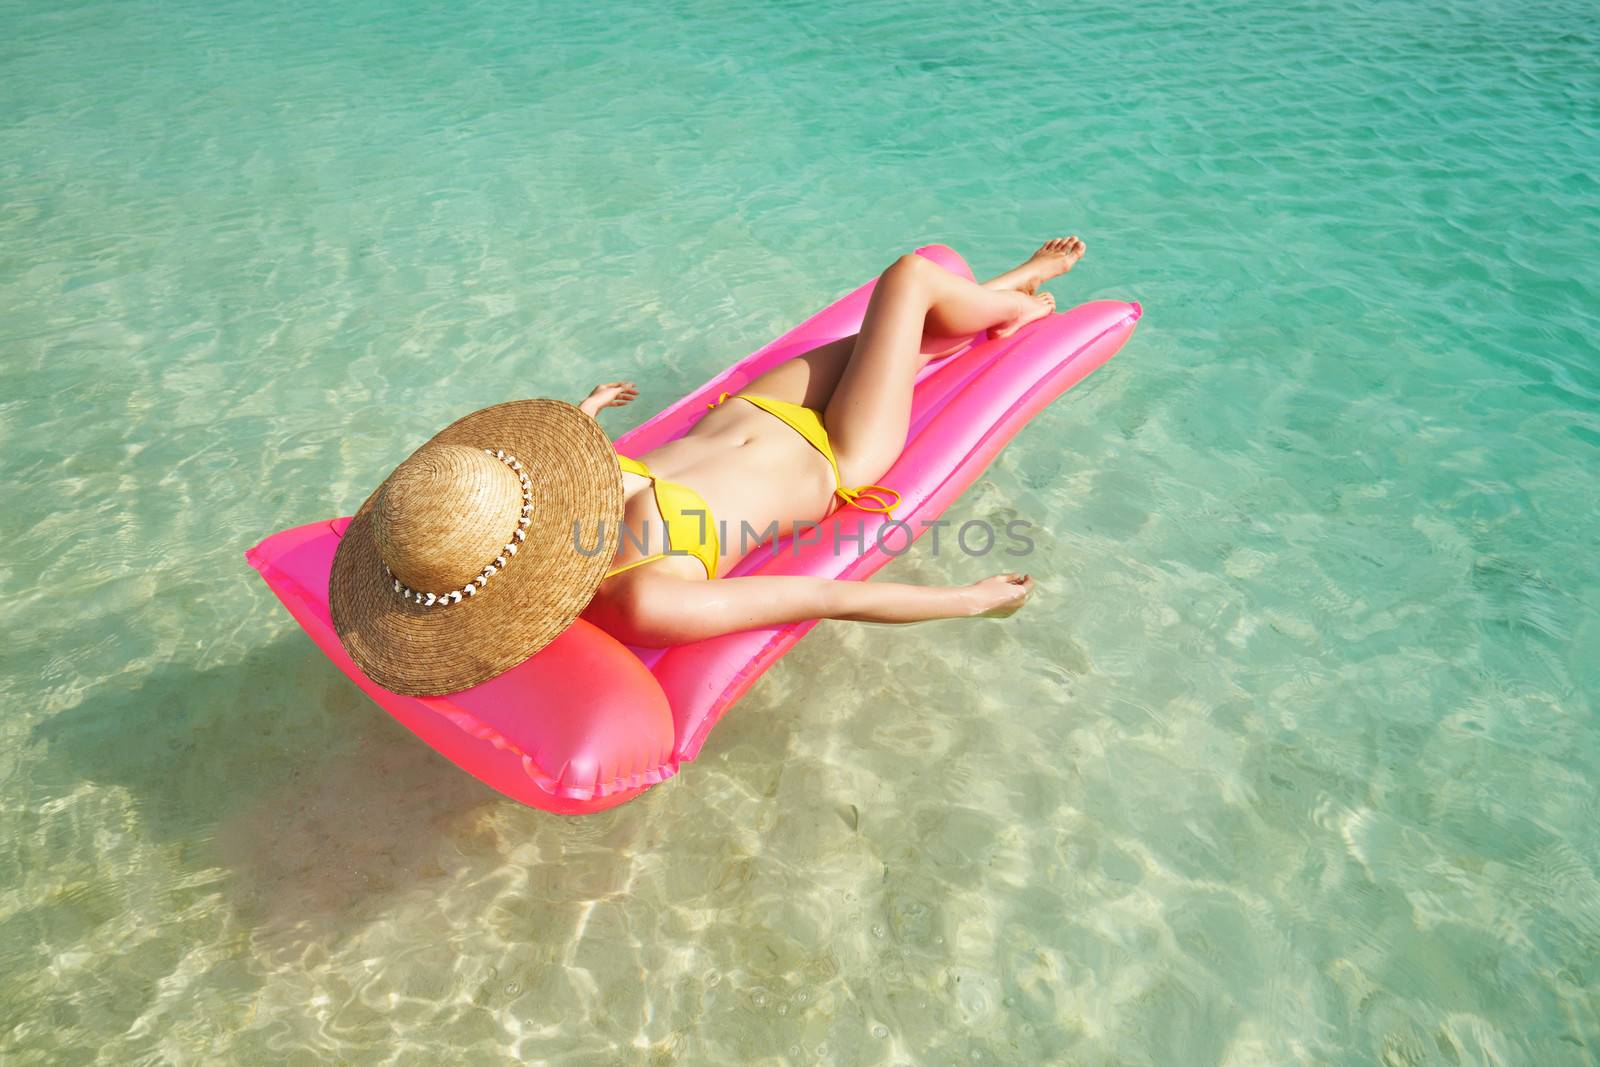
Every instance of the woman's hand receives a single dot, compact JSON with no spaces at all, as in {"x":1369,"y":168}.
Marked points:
{"x":608,"y":395}
{"x":1001,"y":595}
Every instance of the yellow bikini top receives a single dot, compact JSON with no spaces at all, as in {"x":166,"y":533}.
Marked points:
{"x":690,"y":527}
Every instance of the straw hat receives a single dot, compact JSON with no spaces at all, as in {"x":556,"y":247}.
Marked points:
{"x":466,"y":560}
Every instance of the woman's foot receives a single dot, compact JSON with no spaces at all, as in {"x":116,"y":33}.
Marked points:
{"x":1002,"y":595}
{"x":1034,"y":306}
{"x":1054,"y":258}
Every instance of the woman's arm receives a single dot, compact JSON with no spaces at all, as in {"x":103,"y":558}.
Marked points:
{"x":655,"y":610}
{"x":607,"y":395}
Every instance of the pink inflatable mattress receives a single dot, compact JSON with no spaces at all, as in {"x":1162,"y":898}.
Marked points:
{"x":588,"y":722}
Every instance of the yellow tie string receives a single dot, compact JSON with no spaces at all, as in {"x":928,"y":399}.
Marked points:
{"x":873,"y":498}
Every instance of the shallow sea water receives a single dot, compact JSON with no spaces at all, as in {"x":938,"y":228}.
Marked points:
{"x":1293,"y":760}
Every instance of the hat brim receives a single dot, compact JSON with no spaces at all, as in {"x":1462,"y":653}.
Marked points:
{"x":569,"y":545}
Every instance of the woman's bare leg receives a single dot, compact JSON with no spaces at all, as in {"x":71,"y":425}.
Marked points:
{"x":1054,"y":258}
{"x":870,"y":410}
{"x":811,"y":377}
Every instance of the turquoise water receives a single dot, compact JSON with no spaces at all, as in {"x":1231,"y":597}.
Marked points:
{"x":1292,"y":761}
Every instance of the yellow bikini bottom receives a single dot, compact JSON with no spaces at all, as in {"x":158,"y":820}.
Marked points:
{"x":807,"y":422}
{"x":690,"y":529}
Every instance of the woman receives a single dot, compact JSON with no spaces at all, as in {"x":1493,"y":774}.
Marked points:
{"x":811,"y":434}
{"x":469,"y":557}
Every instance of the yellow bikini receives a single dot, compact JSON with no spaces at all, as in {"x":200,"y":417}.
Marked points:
{"x":690,"y":528}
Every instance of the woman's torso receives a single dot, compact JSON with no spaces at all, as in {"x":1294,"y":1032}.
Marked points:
{"x":752,"y":470}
